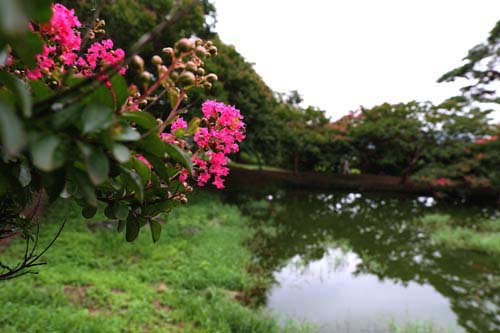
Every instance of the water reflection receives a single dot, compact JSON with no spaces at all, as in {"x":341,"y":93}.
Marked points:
{"x":357,"y":257}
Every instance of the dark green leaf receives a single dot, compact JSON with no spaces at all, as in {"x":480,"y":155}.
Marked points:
{"x":27,"y":47}
{"x":180,"y":156}
{"x":109,"y":212}
{"x":132,"y":229}
{"x":121,"y":153}
{"x":141,"y":118}
{"x":121,"y":211}
{"x":39,"y":10}
{"x":12,"y":17}
{"x":153,"y":144}
{"x":85,"y":187}
{"x":89,"y":212}
{"x":159,"y":166}
{"x":155,"y":230}
{"x":96,"y":117}
{"x":127,"y":134}
{"x":66,"y":117}
{"x":96,"y":162}
{"x":161,"y":207}
{"x":20,"y":90}
{"x":40,"y":90}
{"x":43,"y":152}
{"x":101,"y":96}
{"x":121,"y":226}
{"x":54,"y":184}
{"x":120,"y":87}
{"x":135,"y":181}
{"x":12,"y":130}
{"x":143,"y":170}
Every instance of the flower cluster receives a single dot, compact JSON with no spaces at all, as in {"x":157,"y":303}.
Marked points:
{"x":62,"y":46}
{"x":224,"y":131}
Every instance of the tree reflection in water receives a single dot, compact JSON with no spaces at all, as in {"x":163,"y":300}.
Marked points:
{"x":383,"y":231}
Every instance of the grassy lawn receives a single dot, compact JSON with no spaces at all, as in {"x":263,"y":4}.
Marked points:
{"x":96,"y":282}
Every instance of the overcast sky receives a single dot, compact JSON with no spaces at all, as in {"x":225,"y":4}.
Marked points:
{"x":340,"y":54}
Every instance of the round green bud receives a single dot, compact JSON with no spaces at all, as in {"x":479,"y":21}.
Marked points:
{"x":156,"y":60}
{"x":212,"y":50}
{"x":146,"y":76}
{"x":200,"y":71}
{"x":174,"y":75}
{"x":212,"y":78}
{"x":186,"y":78}
{"x":168,"y":51}
{"x":201,"y":52}
{"x":207,"y":85}
{"x":137,"y":63}
{"x":184,"y":45}
{"x":191,"y":66}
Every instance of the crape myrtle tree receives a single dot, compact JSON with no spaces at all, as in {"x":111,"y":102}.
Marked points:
{"x":468,"y":147}
{"x":72,"y":126}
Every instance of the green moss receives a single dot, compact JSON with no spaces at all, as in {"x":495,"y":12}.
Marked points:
{"x":96,"y":282}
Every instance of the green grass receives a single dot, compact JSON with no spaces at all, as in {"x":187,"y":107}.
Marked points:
{"x":257,"y":167}
{"x":96,"y":282}
{"x":483,"y":236}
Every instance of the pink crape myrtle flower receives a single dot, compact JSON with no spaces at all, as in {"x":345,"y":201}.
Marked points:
{"x":219,"y":139}
{"x":178,"y":124}
{"x":62,"y":45}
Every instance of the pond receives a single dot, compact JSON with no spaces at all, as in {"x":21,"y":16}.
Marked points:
{"x":352,"y":262}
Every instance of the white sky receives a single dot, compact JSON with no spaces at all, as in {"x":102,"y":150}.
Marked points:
{"x":340,"y":54}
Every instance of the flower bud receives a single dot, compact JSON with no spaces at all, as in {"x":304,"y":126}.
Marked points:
{"x":200,"y":71}
{"x":207,"y":85}
{"x":212,"y":78}
{"x":198,"y":42}
{"x":184,"y":45}
{"x":146,"y":76}
{"x":201,"y":52}
{"x":212,"y":50}
{"x":174,"y":75}
{"x":186,"y":78}
{"x":137,"y":63}
{"x":208,"y":43}
{"x":168,"y":51}
{"x":156,"y":60}
{"x":191,"y":66}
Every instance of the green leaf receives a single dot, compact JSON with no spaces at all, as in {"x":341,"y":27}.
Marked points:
{"x":193,"y":126}
{"x":96,"y":118}
{"x":161,"y":207}
{"x":109,"y":212}
{"x":40,"y":91}
{"x":121,"y":211}
{"x":96,"y":162}
{"x":24,"y":174}
{"x":121,"y":153}
{"x":155,"y":230}
{"x":12,"y":17}
{"x":66,"y":117}
{"x":132,"y":229}
{"x":135,"y":181}
{"x":127,"y":134}
{"x":142,"y":169}
{"x":20,"y":90}
{"x":43,"y":152}
{"x":121,"y":226}
{"x":141,"y":118}
{"x":89,"y":212}
{"x":12,"y":130}
{"x":153,"y":144}
{"x":180,"y":156}
{"x":120,"y":87}
{"x":85,"y":187}
{"x":159,"y":166}
{"x":101,"y":96}
{"x":54,"y":184}
{"x":39,"y":10}
{"x":27,"y":47}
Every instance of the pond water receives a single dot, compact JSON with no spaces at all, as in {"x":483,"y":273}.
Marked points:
{"x":352,"y":262}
